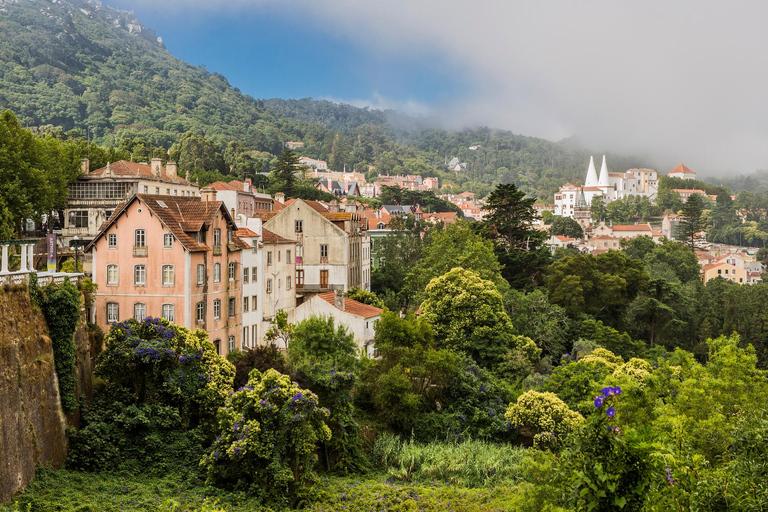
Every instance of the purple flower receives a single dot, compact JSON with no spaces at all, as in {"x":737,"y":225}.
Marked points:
{"x":598,"y":402}
{"x":607,"y":391}
{"x":610,"y":412}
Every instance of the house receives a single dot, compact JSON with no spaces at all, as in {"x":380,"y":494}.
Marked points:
{"x":320,"y":165}
{"x":685,"y":193}
{"x":456,"y":166}
{"x":172,"y":257}
{"x":682,"y":172}
{"x":632,"y":230}
{"x":332,"y":248}
{"x":237,"y":195}
{"x":726,"y":271}
{"x":338,"y":188}
{"x":556,"y":241}
{"x":293,"y":144}
{"x":604,"y":242}
{"x":97,"y":193}
{"x":252,"y":264}
{"x":360,"y":319}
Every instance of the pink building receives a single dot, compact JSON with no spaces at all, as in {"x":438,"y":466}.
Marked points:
{"x":171,"y":257}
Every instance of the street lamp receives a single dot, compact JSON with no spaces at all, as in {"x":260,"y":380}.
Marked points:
{"x":75,"y":243}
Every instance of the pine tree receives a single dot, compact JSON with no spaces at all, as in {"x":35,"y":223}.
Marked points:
{"x":283,"y":176}
{"x":691,"y":224}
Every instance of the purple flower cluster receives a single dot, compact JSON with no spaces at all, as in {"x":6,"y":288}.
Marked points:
{"x":606,"y":394}
{"x":668,"y":476}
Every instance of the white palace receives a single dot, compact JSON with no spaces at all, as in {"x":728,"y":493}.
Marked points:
{"x":609,"y":185}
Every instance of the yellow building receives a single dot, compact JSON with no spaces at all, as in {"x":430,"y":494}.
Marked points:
{"x":726,"y":271}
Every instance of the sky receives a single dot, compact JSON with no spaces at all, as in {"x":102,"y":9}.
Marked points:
{"x":671,"y":82}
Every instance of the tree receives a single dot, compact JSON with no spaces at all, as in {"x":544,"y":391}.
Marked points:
{"x":317,"y":340}
{"x":691,"y":224}
{"x":196,"y":152}
{"x":283,"y":175}
{"x":456,"y":246}
{"x":599,"y":211}
{"x":339,"y":153}
{"x":543,"y":419}
{"x":365,"y":297}
{"x":534,"y":316}
{"x":673,"y":260}
{"x":519,"y":246}
{"x":280,"y":331}
{"x":268,"y":434}
{"x":467,"y":314}
{"x":566,"y":226}
{"x":654,"y":313}
{"x":638,"y":247}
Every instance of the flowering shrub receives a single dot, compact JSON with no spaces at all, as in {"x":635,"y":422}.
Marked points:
{"x":160,"y":385}
{"x":543,"y":418}
{"x":269,"y":431}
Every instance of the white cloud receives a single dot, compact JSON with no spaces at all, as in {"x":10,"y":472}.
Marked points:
{"x":681,"y":81}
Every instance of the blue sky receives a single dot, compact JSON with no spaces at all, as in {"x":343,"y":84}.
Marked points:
{"x":269,"y":54}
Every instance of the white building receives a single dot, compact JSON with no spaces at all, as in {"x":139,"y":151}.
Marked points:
{"x":320,"y":165}
{"x":358,"y":318}
{"x":608,"y":185}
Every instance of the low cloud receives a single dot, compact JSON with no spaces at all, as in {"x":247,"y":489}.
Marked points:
{"x":680,"y":81}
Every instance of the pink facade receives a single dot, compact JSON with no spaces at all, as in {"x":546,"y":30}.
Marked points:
{"x":173,"y":258}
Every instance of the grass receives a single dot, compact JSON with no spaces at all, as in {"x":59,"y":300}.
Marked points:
{"x":472,"y":464}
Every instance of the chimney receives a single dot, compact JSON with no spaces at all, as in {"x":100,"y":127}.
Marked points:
{"x":171,"y":170}
{"x":247,"y":185}
{"x":208,"y":194}
{"x":232,"y":212}
{"x":85,"y":166}
{"x":338,"y":299}
{"x":334,"y":207}
{"x":280,"y":197}
{"x":157,"y":167}
{"x":108,"y":170}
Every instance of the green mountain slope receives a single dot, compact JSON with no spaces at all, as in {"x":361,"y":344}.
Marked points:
{"x":78,"y":64}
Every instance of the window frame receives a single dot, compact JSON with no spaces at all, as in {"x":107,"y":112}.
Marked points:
{"x":110,"y":238}
{"x":200,"y":311}
{"x":172,"y":270}
{"x":217,"y":309}
{"x":140,"y":306}
{"x":167,"y":241}
{"x":232,"y":307}
{"x":140,"y":237}
{"x":116,"y":307}
{"x":200,"y":274}
{"x":232,"y":270}
{"x":217,"y":272}
{"x":171,"y":308}
{"x":140,"y":271}
{"x":116,"y":282}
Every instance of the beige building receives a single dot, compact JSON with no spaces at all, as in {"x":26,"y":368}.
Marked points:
{"x":332,"y":248}
{"x":726,"y":271}
{"x":96,"y":194}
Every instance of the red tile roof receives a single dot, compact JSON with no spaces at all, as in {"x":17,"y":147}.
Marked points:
{"x":140,"y":170}
{"x":683,"y":169}
{"x":352,"y":306}
{"x":268,"y":237}
{"x":246,"y":233}
{"x":633,"y":227}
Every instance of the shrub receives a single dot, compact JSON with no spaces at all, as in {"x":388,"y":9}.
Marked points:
{"x":61,"y":307}
{"x":260,"y":358}
{"x":268,"y":436}
{"x":543,"y":418}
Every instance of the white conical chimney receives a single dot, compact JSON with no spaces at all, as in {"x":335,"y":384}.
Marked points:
{"x":604,"y":181}
{"x":591,"y":180}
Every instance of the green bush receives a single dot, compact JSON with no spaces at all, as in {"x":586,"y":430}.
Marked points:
{"x":268,"y":434}
{"x":542,"y":418}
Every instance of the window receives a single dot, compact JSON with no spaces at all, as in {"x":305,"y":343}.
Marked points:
{"x":139,"y":275}
{"x":216,"y":309}
{"x":167,"y":241}
{"x":217,"y":272}
{"x":78,"y":219}
{"x":200,"y":275}
{"x":139,"y":311}
{"x":288,"y":256}
{"x":254,"y":274}
{"x":231,"y":343}
{"x":146,"y":189}
{"x":278,"y":256}
{"x":269,"y":257}
{"x":217,"y":236}
{"x":201,"y":311}
{"x":299,"y":226}
{"x":167,"y":275}
{"x":232,"y":268}
{"x":139,"y":238}
{"x":112,"y":275}
{"x":168,"y":312}
{"x":200,"y":237}
{"x":112,"y":240}
{"x":323,"y":250}
{"x":245,"y":274}
{"x":269,"y":285}
{"x":288,"y":283}
{"x":217,"y":344}
{"x":255,"y":334}
{"x":245,"y":304}
{"x":167,"y":191}
{"x":157,"y":190}
{"x":229,"y":236}
{"x":254,"y":303}
{"x":245,"y":336}
{"x":232,"y":304}
{"x":113,"y":312}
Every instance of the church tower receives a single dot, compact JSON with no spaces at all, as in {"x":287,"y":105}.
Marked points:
{"x":582,"y":212}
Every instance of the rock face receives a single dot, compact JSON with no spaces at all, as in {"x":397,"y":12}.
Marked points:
{"x":32,"y":423}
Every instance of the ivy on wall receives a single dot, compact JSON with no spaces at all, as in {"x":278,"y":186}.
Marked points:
{"x":61,"y":307}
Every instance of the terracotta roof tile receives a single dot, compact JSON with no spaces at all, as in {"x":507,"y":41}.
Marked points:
{"x":268,"y":237}
{"x":140,"y":170}
{"x":683,"y":169}
{"x":246,"y":233}
{"x":352,"y":306}
{"x":633,"y":227}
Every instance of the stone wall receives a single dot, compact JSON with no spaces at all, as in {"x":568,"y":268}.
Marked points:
{"x":32,"y":424}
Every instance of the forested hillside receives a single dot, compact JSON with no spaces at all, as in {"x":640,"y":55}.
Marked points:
{"x":80,"y":65}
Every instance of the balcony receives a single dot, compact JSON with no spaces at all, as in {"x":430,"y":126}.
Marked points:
{"x":140,"y":251}
{"x":323,"y":259}
{"x":217,"y":250}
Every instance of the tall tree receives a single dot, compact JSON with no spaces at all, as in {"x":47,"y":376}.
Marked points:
{"x":283,"y":175}
{"x":691,"y":224}
{"x":566,"y":226}
{"x":519,"y":246}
